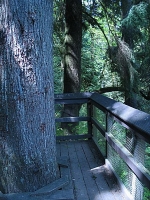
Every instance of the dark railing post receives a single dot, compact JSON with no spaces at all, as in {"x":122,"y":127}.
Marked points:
{"x":109,"y":122}
{"x":89,"y":114}
{"x":94,"y":131}
{"x":109,"y":125}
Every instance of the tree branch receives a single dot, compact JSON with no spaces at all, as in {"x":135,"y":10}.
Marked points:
{"x":92,"y":19}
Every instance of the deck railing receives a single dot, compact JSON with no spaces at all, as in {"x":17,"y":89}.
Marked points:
{"x":121,"y":133}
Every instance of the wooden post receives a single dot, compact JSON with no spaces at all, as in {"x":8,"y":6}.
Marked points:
{"x":109,"y":125}
{"x":90,"y":114}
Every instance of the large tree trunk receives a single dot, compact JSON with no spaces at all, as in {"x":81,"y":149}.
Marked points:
{"x":72,"y":56}
{"x":27,"y":135}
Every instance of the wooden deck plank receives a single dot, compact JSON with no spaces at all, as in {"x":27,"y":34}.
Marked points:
{"x":65,"y":156}
{"x":80,"y":189}
{"x":51,"y":188}
{"x":64,"y":149}
{"x":62,"y":195}
{"x":89,"y":179}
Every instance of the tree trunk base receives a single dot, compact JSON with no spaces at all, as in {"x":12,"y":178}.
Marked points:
{"x":46,"y":191}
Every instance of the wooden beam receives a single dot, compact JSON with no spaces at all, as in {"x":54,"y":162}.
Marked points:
{"x":52,"y":187}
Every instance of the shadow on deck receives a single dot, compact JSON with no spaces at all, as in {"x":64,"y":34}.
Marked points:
{"x":90,"y":178}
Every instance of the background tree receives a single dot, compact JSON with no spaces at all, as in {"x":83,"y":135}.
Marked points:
{"x":73,"y":41}
{"x":72,"y":55}
{"x":58,"y":52}
{"x":27,"y":134}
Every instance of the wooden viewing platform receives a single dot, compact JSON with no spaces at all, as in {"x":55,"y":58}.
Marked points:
{"x":112,"y":150}
{"x":90,"y":178}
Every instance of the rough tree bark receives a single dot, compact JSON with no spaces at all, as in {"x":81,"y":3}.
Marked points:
{"x":27,"y":131}
{"x":72,"y":55}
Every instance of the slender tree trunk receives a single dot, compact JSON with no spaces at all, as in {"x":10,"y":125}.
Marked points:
{"x":27,"y":135}
{"x":72,"y":57}
{"x":130,"y":78}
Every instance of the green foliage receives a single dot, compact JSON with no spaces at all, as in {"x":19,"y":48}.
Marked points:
{"x":98,"y":69}
{"x":137,"y":16}
{"x":146,"y":194}
{"x":80,"y":129}
{"x":58,"y":48}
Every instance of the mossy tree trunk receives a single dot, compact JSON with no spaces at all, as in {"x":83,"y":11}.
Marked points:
{"x":27,"y":131}
{"x":130,"y":75}
{"x":127,"y":37}
{"x":72,"y":55}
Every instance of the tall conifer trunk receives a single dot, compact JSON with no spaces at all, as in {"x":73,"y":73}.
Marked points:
{"x":72,"y":56}
{"x":130,"y":78}
{"x":27,"y":131}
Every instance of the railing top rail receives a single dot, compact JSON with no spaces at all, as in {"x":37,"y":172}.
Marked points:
{"x":69,"y":96}
{"x":137,"y":120}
